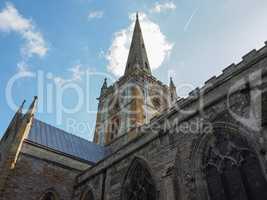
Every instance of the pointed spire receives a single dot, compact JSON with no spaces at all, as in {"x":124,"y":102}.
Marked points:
{"x":19,"y":111}
{"x":32,"y":108}
{"x":171,"y":83}
{"x":104,"y":86}
{"x":173,"y":92}
{"x":137,"y":58}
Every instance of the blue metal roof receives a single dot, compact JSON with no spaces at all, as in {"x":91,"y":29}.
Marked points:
{"x":59,"y":140}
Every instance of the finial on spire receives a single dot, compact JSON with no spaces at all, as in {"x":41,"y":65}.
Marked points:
{"x":21,"y":106}
{"x":33,"y":105}
{"x":171,"y":82}
{"x":137,"y":17}
{"x":104,"y":86}
{"x":19,"y":111}
{"x":105,"y":82}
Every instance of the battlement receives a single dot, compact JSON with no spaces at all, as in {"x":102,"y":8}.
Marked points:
{"x":247,"y":60}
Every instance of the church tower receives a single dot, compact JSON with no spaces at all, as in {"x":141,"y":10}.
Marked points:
{"x":134,"y":99}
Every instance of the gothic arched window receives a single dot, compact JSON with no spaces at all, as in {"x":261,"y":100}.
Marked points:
{"x":88,"y":196}
{"x":139,"y":184}
{"x":49,"y":196}
{"x":233,"y":171}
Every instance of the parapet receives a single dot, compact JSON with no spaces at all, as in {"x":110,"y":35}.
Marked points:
{"x":247,"y":60}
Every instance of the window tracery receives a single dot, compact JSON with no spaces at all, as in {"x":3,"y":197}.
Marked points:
{"x":233,"y":170}
{"x":139,"y":184}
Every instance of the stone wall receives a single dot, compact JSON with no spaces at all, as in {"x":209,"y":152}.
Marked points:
{"x":173,"y":151}
{"x":32,"y":177}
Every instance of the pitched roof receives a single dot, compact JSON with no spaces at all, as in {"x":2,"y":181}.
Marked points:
{"x":137,"y":58}
{"x":51,"y":137}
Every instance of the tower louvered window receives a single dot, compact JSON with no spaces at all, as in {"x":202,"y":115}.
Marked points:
{"x":139,"y":184}
{"x":233,"y":171}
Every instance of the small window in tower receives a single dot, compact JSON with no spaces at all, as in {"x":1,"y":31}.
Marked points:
{"x":114,"y":128}
{"x":156,"y":103}
{"x":143,"y":45}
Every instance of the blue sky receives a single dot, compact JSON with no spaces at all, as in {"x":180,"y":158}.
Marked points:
{"x":61,"y":42}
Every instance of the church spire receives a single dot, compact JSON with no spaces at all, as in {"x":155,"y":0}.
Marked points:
{"x":137,"y":58}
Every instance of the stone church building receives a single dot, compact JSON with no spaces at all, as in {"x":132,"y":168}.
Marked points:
{"x":149,"y":144}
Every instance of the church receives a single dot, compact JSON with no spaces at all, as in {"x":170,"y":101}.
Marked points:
{"x":149,"y":144}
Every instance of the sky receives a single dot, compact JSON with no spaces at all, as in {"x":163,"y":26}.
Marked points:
{"x":62,"y":51}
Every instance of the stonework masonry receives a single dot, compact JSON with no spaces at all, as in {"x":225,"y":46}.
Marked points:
{"x":32,"y":177}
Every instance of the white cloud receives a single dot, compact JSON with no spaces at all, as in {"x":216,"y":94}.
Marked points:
{"x":12,"y":20}
{"x":76,"y":75}
{"x":95,"y":14}
{"x":161,"y":7}
{"x":23,"y":70}
{"x":157,"y":46}
{"x":77,"y":72}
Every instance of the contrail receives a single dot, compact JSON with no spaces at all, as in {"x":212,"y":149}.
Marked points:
{"x":190,"y":20}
